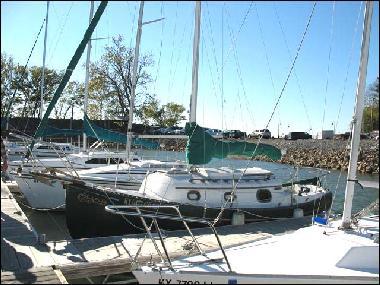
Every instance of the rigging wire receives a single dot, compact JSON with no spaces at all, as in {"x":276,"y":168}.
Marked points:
{"x":238,"y":70}
{"x":24,"y":73}
{"x":172,"y":53}
{"x":295,"y":74}
{"x":213,"y":45}
{"x":161,"y":41}
{"x":348,"y":65}
{"x":274,"y":109}
{"x":60,"y":32}
{"x":240,"y":28}
{"x":328,"y":65}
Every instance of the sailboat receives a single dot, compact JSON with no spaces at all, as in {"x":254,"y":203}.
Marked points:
{"x":224,"y":194}
{"x":344,"y":250}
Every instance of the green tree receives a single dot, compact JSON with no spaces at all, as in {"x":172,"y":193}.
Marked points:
{"x":7,"y":72}
{"x":113,"y":78}
{"x":371,"y":109}
{"x":29,"y":89}
{"x":72,"y":97}
{"x":167,"y":115}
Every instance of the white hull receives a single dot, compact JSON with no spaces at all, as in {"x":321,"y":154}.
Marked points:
{"x":224,"y":278}
{"x":314,"y":254}
{"x":49,"y":194}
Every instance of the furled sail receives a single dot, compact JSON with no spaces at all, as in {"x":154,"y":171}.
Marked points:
{"x":51,"y":131}
{"x":92,"y":130}
{"x":202,"y":147}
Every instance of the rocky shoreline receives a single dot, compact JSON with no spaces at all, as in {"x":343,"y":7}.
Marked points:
{"x":328,"y":154}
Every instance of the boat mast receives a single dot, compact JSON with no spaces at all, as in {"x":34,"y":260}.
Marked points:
{"x":43,"y":62}
{"x":357,"y":120}
{"x":134,"y":77}
{"x":194,"y":90}
{"x":87,"y":75}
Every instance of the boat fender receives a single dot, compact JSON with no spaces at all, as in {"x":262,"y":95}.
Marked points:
{"x":298,"y":213}
{"x":193,"y":195}
{"x":237,"y":218}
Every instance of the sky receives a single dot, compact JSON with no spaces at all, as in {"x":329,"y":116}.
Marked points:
{"x":246,"y":53}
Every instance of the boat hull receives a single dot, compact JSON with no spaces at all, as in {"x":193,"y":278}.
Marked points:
{"x":230,"y":278}
{"x":86,"y":215}
{"x":46,"y":192}
{"x":42,"y":194}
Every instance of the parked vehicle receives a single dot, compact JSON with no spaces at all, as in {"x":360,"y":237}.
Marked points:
{"x":264,"y":133}
{"x":215,"y":133}
{"x":160,"y":131}
{"x":179,"y":131}
{"x":235,"y":134}
{"x":297,"y":136}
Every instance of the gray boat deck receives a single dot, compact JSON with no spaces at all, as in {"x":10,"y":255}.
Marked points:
{"x":22,"y":255}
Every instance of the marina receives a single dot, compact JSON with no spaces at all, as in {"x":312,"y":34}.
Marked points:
{"x":135,"y":198}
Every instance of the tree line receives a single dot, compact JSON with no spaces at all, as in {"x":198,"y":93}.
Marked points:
{"x":110,"y":87}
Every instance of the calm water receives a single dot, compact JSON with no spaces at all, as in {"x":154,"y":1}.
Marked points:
{"x":54,"y":225}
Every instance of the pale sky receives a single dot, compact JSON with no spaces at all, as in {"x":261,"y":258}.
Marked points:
{"x":257,"y":41}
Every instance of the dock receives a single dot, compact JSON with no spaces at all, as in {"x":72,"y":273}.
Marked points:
{"x":26,"y":258}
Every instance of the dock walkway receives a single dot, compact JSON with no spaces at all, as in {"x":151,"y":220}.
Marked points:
{"x":23,"y":259}
{"x":23,"y":256}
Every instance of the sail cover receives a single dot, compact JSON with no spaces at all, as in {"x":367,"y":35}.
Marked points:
{"x":51,"y":131}
{"x":202,"y":147}
{"x":102,"y":134}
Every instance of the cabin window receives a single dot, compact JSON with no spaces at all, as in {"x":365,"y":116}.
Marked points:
{"x":114,"y":160}
{"x":263,"y":195}
{"x":193,"y":195}
{"x":97,"y":161}
{"x":43,"y":147}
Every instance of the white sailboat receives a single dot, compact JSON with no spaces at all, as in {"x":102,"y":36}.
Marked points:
{"x":200,"y":192}
{"x":329,"y":251}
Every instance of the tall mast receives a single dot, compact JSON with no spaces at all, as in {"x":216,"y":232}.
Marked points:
{"x":43,"y":63}
{"x":194,"y":90}
{"x":87,"y":75}
{"x":357,"y":120}
{"x":134,"y":77}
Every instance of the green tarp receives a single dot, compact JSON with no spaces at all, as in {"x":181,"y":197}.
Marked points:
{"x":202,"y":147}
{"x":102,"y":134}
{"x":51,"y":131}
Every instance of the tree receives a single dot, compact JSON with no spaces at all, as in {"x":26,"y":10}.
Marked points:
{"x":6,"y":82}
{"x":27,"y":82}
{"x":112,"y":75}
{"x":167,"y":115}
{"x":371,"y":109}
{"x":72,"y":96}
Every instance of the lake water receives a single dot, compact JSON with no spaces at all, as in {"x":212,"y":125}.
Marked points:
{"x":54,"y":224}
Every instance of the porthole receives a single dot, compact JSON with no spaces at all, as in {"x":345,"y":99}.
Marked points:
{"x":263,"y":195}
{"x":193,"y":195}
